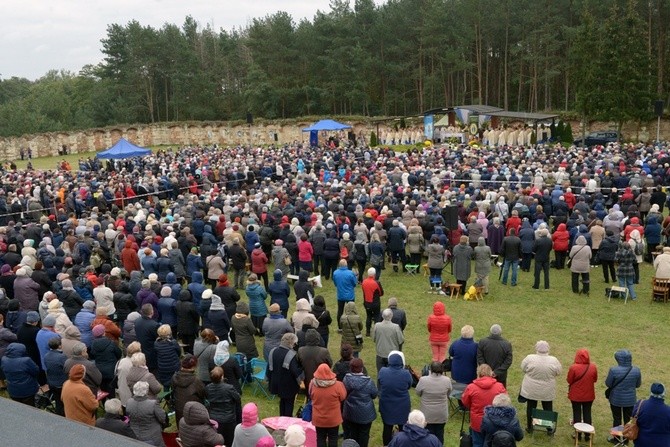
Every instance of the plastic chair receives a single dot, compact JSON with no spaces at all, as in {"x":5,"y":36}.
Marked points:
{"x":544,"y":420}
{"x":259,"y":376}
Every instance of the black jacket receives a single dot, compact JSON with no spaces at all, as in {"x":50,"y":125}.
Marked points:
{"x":224,"y":403}
{"x":105,"y":353}
{"x":229,"y":297}
{"x":284,"y":382}
{"x":496,"y":352}
{"x":113,"y":423}
{"x":188,"y":318}
{"x":542,"y":249}
{"x":72,"y":302}
{"x":238,"y":257}
{"x":124,"y":302}
{"x":511,"y":248}
{"x":145,"y":331}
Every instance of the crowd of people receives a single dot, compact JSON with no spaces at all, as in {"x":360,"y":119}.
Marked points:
{"x":140,"y":277}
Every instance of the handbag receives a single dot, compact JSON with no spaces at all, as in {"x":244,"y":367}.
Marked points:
{"x":357,"y":337}
{"x":608,"y":390}
{"x":465,"y":439}
{"x":521,"y":399}
{"x":307,"y":409}
{"x":631,"y":430}
{"x":287,"y":260}
{"x":446,"y":364}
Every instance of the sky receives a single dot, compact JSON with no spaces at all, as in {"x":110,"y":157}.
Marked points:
{"x":41,"y":35}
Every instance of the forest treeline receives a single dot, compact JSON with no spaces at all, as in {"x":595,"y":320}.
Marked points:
{"x":604,"y":59}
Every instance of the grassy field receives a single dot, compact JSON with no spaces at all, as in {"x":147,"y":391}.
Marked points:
{"x":567,"y":321}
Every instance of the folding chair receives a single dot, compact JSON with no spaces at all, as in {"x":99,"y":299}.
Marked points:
{"x":544,"y":420}
{"x":617,"y":436}
{"x":244,"y":365}
{"x":259,"y":376}
{"x":412,"y":269}
{"x":619,"y":290}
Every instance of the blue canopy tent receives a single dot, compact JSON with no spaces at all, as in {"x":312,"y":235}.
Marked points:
{"x":315,"y":128}
{"x":123,"y":149}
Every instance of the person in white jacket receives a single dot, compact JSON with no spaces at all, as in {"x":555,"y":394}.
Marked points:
{"x":539,"y":380}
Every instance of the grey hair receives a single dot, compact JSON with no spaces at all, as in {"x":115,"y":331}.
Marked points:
{"x":289,"y":339}
{"x":387,"y":314}
{"x":140,"y":389}
{"x":78,"y":349}
{"x":467,"y":331}
{"x":113,"y":406}
{"x":502,"y":400}
{"x":138,"y":359}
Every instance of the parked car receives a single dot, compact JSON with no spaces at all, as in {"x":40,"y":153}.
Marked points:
{"x":599,"y":138}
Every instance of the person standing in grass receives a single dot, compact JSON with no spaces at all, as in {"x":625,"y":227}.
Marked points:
{"x":462,"y":263}
{"x":626,"y":270}
{"x":477,"y":396}
{"x":622,"y":380}
{"x":582,"y":377}
{"x":539,"y":381}
{"x":439,"y":328}
{"x":496,"y":352}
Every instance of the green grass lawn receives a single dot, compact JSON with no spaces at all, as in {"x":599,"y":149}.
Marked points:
{"x":567,"y":321}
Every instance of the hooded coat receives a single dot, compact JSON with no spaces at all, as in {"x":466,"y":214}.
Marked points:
{"x":83,"y":321}
{"x":462,"y":265}
{"x":478,"y":395}
{"x":500,"y":418}
{"x":394,"y":384}
{"x":196,"y":287}
{"x":186,"y":388}
{"x":257,"y":296}
{"x":188,"y":318}
{"x":217,"y":318}
{"x":582,"y":377}
{"x":279,"y":291}
{"x":303,"y":288}
{"x":561,"y":238}
{"x":653,"y":421}
{"x":20,"y":372}
{"x":195,"y":430}
{"x":146,"y":419}
{"x":274,"y":327}
{"x":482,"y":258}
{"x":124,"y":301}
{"x":439,"y":324}
{"x":352,"y":325}
{"x":623,"y":386}
{"x":326,"y":393}
{"x":312,"y":355}
{"x":581,"y":256}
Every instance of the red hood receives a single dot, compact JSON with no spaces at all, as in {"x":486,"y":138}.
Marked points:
{"x":438,"y":308}
{"x":582,"y":357}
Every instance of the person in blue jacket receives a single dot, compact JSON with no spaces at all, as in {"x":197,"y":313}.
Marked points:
{"x":463,"y":354}
{"x":56,"y":376}
{"x":394,"y":401}
{"x":500,"y":415}
{"x":358,"y":410}
{"x":21,"y":374}
{"x":414,"y":433}
{"x":167,"y":308}
{"x":623,"y":380}
{"x":345,"y":281}
{"x":196,"y":287}
{"x":279,"y":291}
{"x":653,"y":418}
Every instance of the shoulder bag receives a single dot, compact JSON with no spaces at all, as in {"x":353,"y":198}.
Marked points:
{"x":569,"y":263}
{"x":608,"y":391}
{"x":631,"y":430}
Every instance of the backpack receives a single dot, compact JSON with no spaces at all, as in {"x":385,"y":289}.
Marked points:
{"x":639,"y":248}
{"x":344,"y":253}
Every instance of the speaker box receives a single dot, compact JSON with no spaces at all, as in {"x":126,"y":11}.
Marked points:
{"x":450,"y":216}
{"x":658,"y":108}
{"x":250,"y":118}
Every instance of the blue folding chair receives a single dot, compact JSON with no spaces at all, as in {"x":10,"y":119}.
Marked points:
{"x":244,"y":365}
{"x":259,"y":376}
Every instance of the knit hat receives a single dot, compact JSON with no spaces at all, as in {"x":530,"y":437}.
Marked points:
{"x":279,"y":242}
{"x":249,"y":415}
{"x":274,"y":308}
{"x":98,"y":330}
{"x":32,"y":317}
{"x":88,"y":304}
{"x":49,"y":321}
{"x":294,"y":436}
{"x":657,"y":390}
{"x":77,"y":372}
{"x":146,"y":283}
{"x":153,"y":277}
{"x":207,"y":294}
{"x":166,"y":291}
{"x":223,"y":279}
{"x":115,"y":271}
{"x":132,"y":316}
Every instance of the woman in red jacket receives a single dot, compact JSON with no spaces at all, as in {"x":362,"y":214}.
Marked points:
{"x":477,"y":396}
{"x":305,"y":253}
{"x":561,"y":239}
{"x":439,"y":328}
{"x":327,"y":395}
{"x":582,"y":377}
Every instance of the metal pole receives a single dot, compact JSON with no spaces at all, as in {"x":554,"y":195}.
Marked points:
{"x":658,"y":130}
